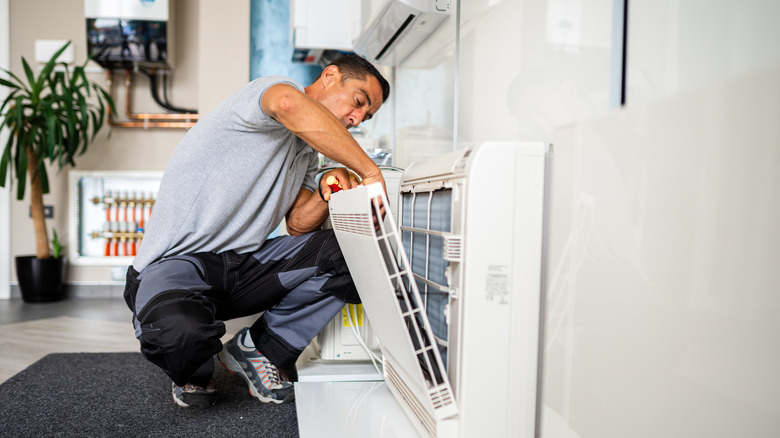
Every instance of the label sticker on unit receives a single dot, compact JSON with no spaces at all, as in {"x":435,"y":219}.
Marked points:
{"x":355,"y":315}
{"x":497,"y":284}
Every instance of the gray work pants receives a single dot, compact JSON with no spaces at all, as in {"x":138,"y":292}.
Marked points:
{"x":179,"y":303}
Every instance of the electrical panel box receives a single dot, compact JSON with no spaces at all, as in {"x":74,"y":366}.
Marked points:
{"x":338,"y":341}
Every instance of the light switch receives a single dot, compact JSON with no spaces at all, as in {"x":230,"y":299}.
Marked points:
{"x":44,"y":49}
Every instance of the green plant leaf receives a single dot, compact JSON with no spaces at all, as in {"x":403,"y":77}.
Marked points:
{"x":19,"y":110}
{"x":34,"y":91}
{"x":21,"y":165}
{"x":43,"y":177}
{"x":47,"y":69}
{"x":21,"y":83}
{"x":5,"y":161}
{"x":108,"y":100}
{"x":56,"y":247}
{"x":50,"y":131}
{"x":10,"y":98}
{"x":50,"y":114}
{"x":95,"y":125}
{"x":9,"y":84}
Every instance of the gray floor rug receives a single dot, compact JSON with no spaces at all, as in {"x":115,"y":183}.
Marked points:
{"x":123,"y":395}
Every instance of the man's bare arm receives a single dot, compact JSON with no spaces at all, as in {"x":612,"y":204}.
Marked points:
{"x":310,"y":210}
{"x":319,"y":128}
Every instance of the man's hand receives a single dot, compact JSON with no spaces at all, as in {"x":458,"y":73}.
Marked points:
{"x":349,"y":180}
{"x":345,"y":179}
{"x":370,"y":180}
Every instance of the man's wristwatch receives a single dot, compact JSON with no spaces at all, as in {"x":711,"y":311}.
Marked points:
{"x":319,"y":189}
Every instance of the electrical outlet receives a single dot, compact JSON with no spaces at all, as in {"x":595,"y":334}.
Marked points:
{"x":48,"y":211}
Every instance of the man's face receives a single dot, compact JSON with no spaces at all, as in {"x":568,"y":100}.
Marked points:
{"x":353,"y":100}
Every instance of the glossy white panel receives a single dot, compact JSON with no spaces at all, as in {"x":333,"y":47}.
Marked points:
{"x":524,"y":68}
{"x":350,"y":409}
{"x":529,"y":66}
{"x":663,"y":303}
{"x":680,"y":45}
{"x":425,"y":97}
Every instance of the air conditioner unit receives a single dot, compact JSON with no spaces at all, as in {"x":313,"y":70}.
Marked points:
{"x":399,"y":28}
{"x":456,"y":292}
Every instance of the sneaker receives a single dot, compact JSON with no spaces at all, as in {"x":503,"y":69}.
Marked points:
{"x":194,"y":396}
{"x":263,"y":378}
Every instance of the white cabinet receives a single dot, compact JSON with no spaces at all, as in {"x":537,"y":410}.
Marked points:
{"x":321,"y":24}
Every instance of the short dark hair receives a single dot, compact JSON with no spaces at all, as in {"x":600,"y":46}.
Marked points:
{"x":356,"y":67}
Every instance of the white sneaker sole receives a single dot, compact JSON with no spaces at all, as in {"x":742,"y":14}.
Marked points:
{"x":176,"y":399}
{"x":181,"y":402}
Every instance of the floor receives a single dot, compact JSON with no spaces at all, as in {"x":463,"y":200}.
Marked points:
{"x":360,"y":406}
{"x":30,"y":331}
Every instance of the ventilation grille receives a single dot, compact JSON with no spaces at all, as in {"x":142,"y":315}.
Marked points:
{"x":361,"y":224}
{"x":395,"y":36}
{"x":453,"y":248}
{"x":428,"y":422}
{"x":441,"y":397}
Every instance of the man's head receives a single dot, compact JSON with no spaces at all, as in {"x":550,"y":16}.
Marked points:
{"x":351,"y":88}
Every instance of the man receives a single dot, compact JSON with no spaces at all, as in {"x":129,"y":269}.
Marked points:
{"x":205,"y":259}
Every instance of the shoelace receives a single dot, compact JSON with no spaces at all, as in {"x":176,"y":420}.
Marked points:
{"x":267,"y":371}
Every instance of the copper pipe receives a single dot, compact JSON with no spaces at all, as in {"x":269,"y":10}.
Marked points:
{"x":138,"y":124}
{"x":133,"y":116}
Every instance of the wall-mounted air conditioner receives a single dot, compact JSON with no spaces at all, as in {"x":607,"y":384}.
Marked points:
{"x":399,"y":28}
{"x":455,"y":294}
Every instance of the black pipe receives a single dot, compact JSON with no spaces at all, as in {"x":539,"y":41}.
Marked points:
{"x":156,"y":96}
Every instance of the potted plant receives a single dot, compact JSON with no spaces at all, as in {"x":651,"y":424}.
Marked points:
{"x":53,"y":117}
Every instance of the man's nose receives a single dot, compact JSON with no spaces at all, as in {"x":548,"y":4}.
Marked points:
{"x":356,"y":117}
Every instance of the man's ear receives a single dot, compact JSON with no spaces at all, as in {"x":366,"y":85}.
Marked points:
{"x":331,"y":75}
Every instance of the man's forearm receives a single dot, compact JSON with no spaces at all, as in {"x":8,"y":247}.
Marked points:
{"x":319,"y":128}
{"x":307,"y":213}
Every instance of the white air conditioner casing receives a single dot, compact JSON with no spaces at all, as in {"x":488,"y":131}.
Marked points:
{"x":337,"y":341}
{"x":399,"y":28}
{"x":455,"y":293}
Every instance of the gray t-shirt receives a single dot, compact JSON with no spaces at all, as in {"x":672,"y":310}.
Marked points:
{"x":229,"y":182}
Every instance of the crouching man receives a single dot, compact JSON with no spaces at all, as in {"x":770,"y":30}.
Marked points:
{"x":205,"y":258}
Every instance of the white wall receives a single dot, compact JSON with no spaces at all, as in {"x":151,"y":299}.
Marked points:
{"x":223,"y":46}
{"x":676,"y":46}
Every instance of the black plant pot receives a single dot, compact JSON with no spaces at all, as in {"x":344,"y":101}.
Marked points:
{"x":41,"y":279}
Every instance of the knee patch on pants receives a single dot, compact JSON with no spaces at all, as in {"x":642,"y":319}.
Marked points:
{"x":179,"y":333}
{"x":332,"y":261}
